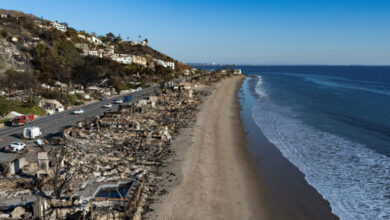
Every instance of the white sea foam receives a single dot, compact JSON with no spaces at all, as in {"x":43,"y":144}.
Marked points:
{"x":258,"y":88}
{"x":353,"y":178}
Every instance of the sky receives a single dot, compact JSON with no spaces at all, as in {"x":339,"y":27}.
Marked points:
{"x":333,"y":32}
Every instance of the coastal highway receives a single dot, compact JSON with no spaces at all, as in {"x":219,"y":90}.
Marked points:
{"x":53,"y":125}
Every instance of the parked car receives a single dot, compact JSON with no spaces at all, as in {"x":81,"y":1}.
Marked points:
{"x":108,"y":105}
{"x":39,"y":142}
{"x":128,"y":98}
{"x":118,"y":101}
{"x":16,"y":146}
{"x":78,"y":112}
{"x":102,"y":98}
{"x":6,"y":149}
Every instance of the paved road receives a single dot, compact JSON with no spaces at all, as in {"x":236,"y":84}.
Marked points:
{"x":53,"y":124}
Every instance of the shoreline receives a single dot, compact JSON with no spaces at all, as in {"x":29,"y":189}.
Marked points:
{"x":286,"y":186}
{"x":211,"y":173}
{"x":266,"y":185}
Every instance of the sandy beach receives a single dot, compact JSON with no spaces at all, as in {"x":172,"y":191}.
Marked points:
{"x":216,"y":179}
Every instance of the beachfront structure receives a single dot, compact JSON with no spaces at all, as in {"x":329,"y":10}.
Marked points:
{"x":59,"y":26}
{"x":165,"y":64}
{"x":237,"y":72}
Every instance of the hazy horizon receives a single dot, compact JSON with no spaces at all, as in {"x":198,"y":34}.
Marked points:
{"x":248,"y":32}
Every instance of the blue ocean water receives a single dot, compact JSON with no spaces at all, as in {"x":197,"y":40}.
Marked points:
{"x":333,"y":123}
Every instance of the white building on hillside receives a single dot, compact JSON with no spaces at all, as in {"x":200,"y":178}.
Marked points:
{"x":142,"y":43}
{"x":170,"y":65}
{"x":165,"y":64}
{"x":59,"y":26}
{"x":122,"y":58}
{"x":139,"y":60}
{"x":95,"y":53}
{"x":94,"y":40}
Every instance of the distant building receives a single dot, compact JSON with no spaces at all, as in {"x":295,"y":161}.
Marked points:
{"x":108,"y":52}
{"x":81,"y":36}
{"x":142,"y":43}
{"x":94,"y":40}
{"x":94,"y":53}
{"x":3,"y":15}
{"x":51,"y":106}
{"x":139,"y":60}
{"x":165,"y":64}
{"x":237,"y":72}
{"x":170,"y":65}
{"x":122,"y":58}
{"x":59,"y":26}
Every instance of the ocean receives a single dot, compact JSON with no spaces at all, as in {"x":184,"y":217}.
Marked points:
{"x":333,"y":124}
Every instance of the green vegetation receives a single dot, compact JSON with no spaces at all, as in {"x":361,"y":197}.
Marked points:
{"x":56,"y":62}
{"x":6,"y":106}
{"x":65,"y":99}
{"x":56,"y":58}
{"x":17,"y":80}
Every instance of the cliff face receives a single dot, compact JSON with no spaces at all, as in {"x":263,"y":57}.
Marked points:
{"x":11,"y":57}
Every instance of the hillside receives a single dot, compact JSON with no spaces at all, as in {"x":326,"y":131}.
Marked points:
{"x":46,"y":59}
{"x":54,"y":51}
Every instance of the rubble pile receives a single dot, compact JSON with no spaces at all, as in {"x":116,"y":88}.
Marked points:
{"x":131,"y":143}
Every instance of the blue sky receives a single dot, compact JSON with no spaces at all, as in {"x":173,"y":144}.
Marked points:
{"x":240,"y":32}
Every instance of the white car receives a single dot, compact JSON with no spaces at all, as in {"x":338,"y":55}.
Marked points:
{"x":108,"y":105}
{"x":16,"y":146}
{"x":78,"y":112}
{"x":119,"y":101}
{"x":39,"y":142}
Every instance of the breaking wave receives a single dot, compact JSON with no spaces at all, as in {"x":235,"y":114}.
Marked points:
{"x":353,"y":178}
